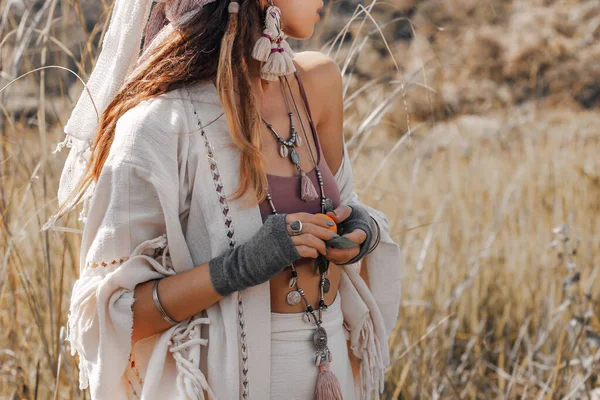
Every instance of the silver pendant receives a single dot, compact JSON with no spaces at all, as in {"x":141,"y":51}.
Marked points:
{"x":318,"y":358}
{"x":298,"y":141}
{"x":293,"y":298}
{"x":283,"y":151}
{"x":295,"y":157}
{"x":320,"y":338}
{"x":306,"y":317}
{"x":323,"y":356}
{"x":293,"y":282}
{"x":328,"y":204}
{"x":326,"y":285}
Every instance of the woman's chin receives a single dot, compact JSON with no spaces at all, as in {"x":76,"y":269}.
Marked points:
{"x":302,"y":35}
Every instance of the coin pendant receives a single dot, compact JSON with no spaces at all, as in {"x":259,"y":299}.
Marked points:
{"x":326,"y":285}
{"x":293,"y":298}
{"x":320,"y":338}
{"x":295,"y":157}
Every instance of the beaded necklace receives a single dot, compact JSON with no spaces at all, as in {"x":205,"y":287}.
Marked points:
{"x":296,"y":294}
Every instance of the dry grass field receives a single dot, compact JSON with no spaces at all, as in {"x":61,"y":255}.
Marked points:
{"x":475,"y":125}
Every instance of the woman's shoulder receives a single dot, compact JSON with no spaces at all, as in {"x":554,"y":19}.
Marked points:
{"x":317,"y":65}
{"x":318,"y":70}
{"x":322,"y":79}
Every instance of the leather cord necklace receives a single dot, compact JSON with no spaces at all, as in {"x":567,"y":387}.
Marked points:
{"x":327,"y":382}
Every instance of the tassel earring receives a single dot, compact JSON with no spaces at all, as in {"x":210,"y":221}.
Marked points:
{"x":272,"y":48}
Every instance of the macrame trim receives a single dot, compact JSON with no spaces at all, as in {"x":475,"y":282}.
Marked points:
{"x":190,"y":379}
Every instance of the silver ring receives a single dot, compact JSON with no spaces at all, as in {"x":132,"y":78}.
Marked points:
{"x":296,"y":227}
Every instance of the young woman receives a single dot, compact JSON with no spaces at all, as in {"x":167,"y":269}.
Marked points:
{"x":208,"y":266}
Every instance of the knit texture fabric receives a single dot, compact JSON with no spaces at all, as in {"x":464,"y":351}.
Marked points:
{"x":358,"y":219}
{"x":268,"y":253}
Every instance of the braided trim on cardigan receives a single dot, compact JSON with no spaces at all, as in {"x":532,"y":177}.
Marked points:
{"x":139,"y":381}
{"x":107,"y":263}
{"x":230,"y":234}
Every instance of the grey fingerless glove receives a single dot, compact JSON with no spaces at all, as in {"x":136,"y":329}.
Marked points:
{"x":359,"y":218}
{"x":258,"y":260}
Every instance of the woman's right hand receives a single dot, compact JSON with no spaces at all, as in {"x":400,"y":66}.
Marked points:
{"x":272,"y":248}
{"x":315,"y":231}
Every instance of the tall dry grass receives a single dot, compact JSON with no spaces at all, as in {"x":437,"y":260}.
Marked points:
{"x":480,"y":143}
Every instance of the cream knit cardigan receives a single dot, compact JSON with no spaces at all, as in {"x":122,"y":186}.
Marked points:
{"x":161,"y":207}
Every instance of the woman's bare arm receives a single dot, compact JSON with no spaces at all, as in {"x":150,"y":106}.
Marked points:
{"x":186,"y":294}
{"x":182,"y":296}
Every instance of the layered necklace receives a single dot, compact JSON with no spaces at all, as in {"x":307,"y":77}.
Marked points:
{"x":327,"y":384}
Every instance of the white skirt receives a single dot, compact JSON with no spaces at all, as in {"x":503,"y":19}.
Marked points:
{"x":294,"y":374}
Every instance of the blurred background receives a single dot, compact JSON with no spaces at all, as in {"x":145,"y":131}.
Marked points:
{"x":474,"y":124}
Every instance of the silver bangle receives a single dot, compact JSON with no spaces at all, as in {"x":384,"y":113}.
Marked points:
{"x":377,"y":239}
{"x":159,"y":306}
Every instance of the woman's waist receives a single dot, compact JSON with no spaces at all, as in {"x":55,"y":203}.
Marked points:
{"x":296,"y":327}
{"x":308,"y":282}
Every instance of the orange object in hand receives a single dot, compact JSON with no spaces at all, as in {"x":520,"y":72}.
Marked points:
{"x":331,"y":228}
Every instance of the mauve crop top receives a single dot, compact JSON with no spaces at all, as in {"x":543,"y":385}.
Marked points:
{"x":285,"y":190}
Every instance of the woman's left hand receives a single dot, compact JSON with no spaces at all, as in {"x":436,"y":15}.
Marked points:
{"x":341,"y":256}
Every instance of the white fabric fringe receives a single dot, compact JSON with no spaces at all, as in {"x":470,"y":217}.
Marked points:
{"x":367,"y":332}
{"x":185,"y":339}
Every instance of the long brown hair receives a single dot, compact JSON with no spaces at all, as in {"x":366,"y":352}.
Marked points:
{"x":215,"y":45}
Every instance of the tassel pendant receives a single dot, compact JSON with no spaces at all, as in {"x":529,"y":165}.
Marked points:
{"x":328,"y":385}
{"x":307,"y":190}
